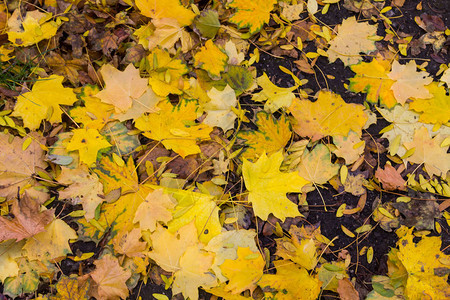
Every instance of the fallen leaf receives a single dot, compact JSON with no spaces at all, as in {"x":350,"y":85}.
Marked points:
{"x":193,"y":272}
{"x":301,"y":251}
{"x":88,"y":142}
{"x":329,"y":115}
{"x":122,"y":87}
{"x":268,"y":186}
{"x":274,"y":96}
{"x":251,"y":15}
{"x":110,"y":278}
{"x":27,"y":222}
{"x":167,"y":248}
{"x":166,"y":9}
{"x":157,"y":206}
{"x":165,"y":73}
{"x":225,"y":247}
{"x":43,"y":102}
{"x":34,"y":27}
{"x":244,"y":271}
{"x":272,"y":135}
{"x":435,"y":110}
{"x":70,"y":288}
{"x":175,"y":127}
{"x":129,"y":244}
{"x":390,"y":178}
{"x":84,"y":188}
{"x":372,"y":78}
{"x":17,"y":166}
{"x":219,"y":109}
{"x":352,"y":38}
{"x":346,"y":290}
{"x":428,"y":151}
{"x":408,"y":82}
{"x":349,"y":147}
{"x":316,"y":166}
{"x":52,"y":244}
{"x":291,"y":282}
{"x":211,"y":59}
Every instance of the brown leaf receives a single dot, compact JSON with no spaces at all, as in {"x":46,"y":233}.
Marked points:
{"x":390,"y":178}
{"x":27,"y":221}
{"x":110,"y":278}
{"x":346,"y":290}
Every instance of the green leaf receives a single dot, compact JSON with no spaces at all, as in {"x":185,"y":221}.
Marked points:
{"x":207,"y":23}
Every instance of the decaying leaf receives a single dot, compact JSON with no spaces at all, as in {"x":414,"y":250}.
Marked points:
{"x":27,"y":222}
{"x":17,"y":165}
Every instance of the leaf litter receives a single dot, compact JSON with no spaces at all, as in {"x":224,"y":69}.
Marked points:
{"x":246,"y":150}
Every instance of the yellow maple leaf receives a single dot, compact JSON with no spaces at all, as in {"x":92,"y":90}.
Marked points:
{"x":175,"y":127}
{"x":116,"y":177}
{"x":435,"y":110}
{"x":271,"y":136}
{"x":88,"y":142}
{"x":408,"y":82}
{"x":300,"y":251}
{"x":193,"y":272}
{"x":349,"y":147}
{"x":211,"y":59}
{"x":251,"y":14}
{"x":110,"y":278}
{"x":220,"y":109}
{"x":168,"y":31}
{"x":94,"y":114}
{"x":84,"y":188}
{"x":10,"y":250}
{"x":198,"y":207}
{"x":167,"y":248}
{"x":422,"y":262}
{"x":51,"y":244}
{"x":268,"y":186}
{"x":17,"y":166}
{"x":122,"y":87}
{"x":31,"y":29}
{"x":165,"y":73}
{"x":371,"y":78}
{"x":316,"y":165}
{"x":428,"y":151}
{"x":353,"y":37}
{"x":244,"y":271}
{"x":70,"y":288}
{"x":291,"y":282}
{"x":157,"y":206}
{"x":43,"y":102}
{"x":129,"y":244}
{"x":225,"y":246}
{"x":275,"y":97}
{"x":329,"y":115}
{"x":166,"y":9}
